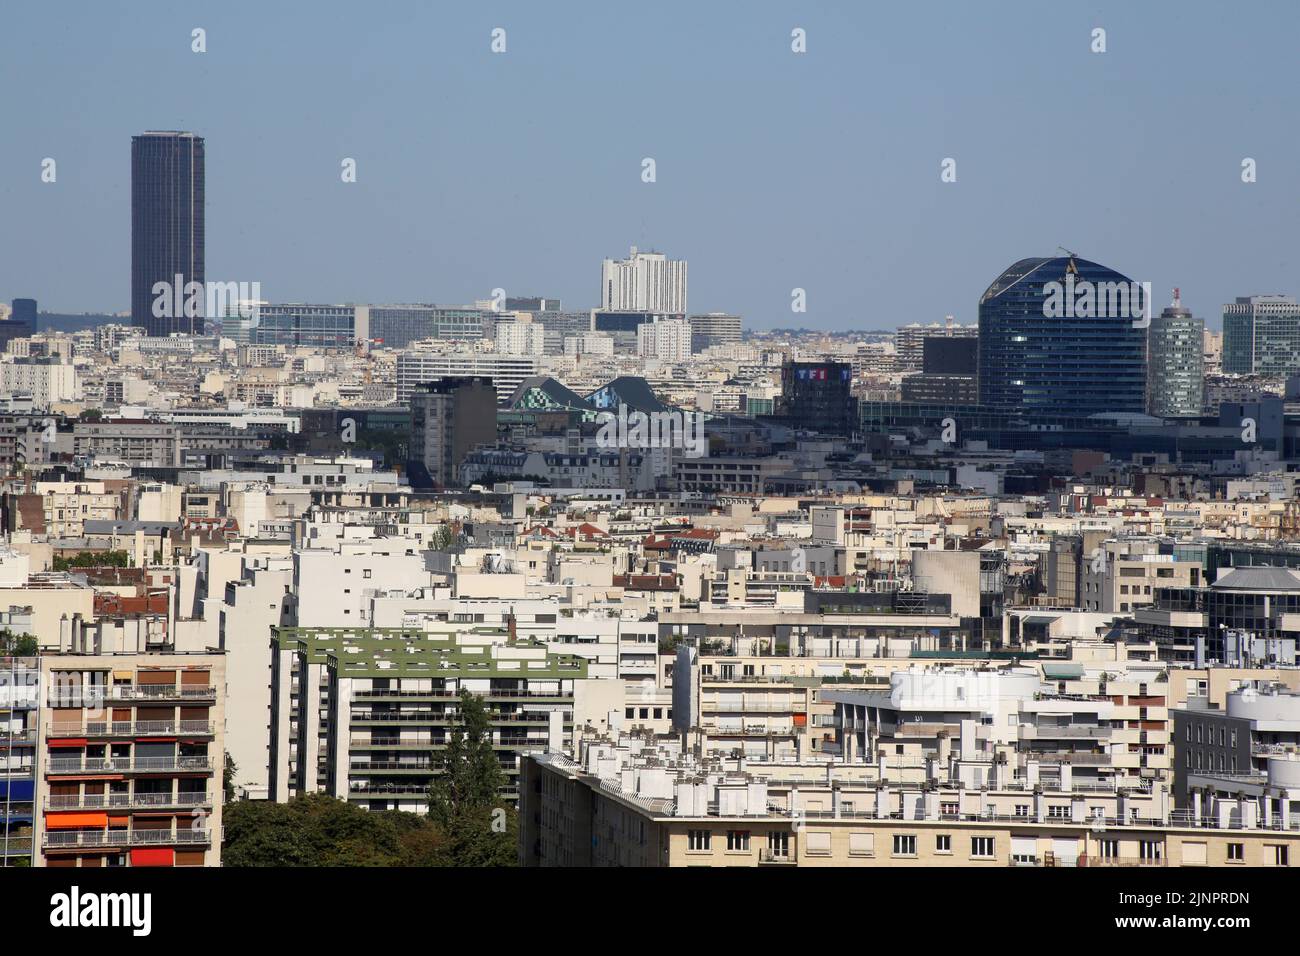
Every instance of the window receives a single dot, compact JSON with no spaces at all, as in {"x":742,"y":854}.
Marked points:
{"x":699,"y":839}
{"x":1149,"y":851}
{"x":904,"y":845}
{"x":737,"y":840}
{"x":1279,"y":855}
{"x":817,"y":842}
{"x":949,"y":809}
{"x":862,"y":844}
{"x":943,"y":843}
{"x":981,"y":848}
{"x":1022,"y":809}
{"x":1108,"y":849}
{"x":1058,"y":813}
{"x":1236,"y":853}
{"x":365,"y":573}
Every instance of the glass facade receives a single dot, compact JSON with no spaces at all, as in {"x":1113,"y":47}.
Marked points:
{"x":396,"y":327}
{"x":1034,"y":358}
{"x":167,"y":174}
{"x":318,"y":326}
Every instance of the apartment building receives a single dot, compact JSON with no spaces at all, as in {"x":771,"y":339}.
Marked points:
{"x":130,"y":760}
{"x":359,"y":713}
{"x":622,"y":801}
{"x":1248,"y":748}
{"x":1121,"y":576}
{"x":19,"y":732}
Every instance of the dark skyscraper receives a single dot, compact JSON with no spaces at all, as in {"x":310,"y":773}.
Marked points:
{"x":1063,"y":336}
{"x":166,"y":227}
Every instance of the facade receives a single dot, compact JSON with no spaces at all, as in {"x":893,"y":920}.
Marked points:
{"x":1249,"y":747}
{"x":668,"y":340}
{"x":817,"y":396}
{"x":20,"y":682}
{"x":643,"y":282}
{"x":418,"y":367}
{"x":633,"y":801}
{"x":1261,"y":336}
{"x":1176,"y":363}
{"x":909,"y":342}
{"x":359,"y":713}
{"x":521,"y":337}
{"x":167,"y":224}
{"x":449,"y":417}
{"x":47,"y":381}
{"x":302,"y":325}
{"x":131,"y":760}
{"x":397,"y":326}
{"x":714,"y":328}
{"x":1068,"y":355}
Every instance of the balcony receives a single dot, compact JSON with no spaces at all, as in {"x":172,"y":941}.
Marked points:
{"x":127,"y":728}
{"x":73,"y":839}
{"x":128,"y":801}
{"x":154,"y":692}
{"x":772,"y":857}
{"x":75,"y":765}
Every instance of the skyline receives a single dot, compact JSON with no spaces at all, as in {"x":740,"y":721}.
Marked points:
{"x":515,"y":184}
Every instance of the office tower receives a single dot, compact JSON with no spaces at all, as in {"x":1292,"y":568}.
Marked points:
{"x":417,"y":366}
{"x":668,"y":340}
{"x":1063,"y":336}
{"x":643,"y":282}
{"x":166,"y":226}
{"x":130,"y":759}
{"x":21,"y":322}
{"x":24,"y":310}
{"x":714,"y":328}
{"x":449,"y":418}
{"x":1261,"y":335}
{"x":909,"y":341}
{"x":1175,"y":362}
{"x":947,"y":375}
{"x":816,"y":396}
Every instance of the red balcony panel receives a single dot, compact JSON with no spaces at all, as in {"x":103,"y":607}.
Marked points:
{"x":153,"y":856}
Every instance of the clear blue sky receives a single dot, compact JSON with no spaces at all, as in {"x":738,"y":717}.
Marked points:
{"x":522,"y":170}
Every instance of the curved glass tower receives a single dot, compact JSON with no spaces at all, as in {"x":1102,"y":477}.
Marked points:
{"x":1063,"y":336}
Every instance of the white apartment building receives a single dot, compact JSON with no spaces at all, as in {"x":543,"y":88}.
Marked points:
{"x":521,"y":337}
{"x":643,"y":282}
{"x":415,"y":367}
{"x":667,"y":340}
{"x":46,"y":382}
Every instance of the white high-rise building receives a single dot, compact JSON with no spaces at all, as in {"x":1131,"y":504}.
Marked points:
{"x":521,"y":337}
{"x":643,"y":282}
{"x":668,"y":340}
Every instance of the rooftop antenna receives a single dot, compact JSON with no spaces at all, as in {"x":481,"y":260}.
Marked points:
{"x":1178,"y":299}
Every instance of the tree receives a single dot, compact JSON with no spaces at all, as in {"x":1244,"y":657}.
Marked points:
{"x":318,"y":830}
{"x":228,"y":778}
{"x":17,"y":645}
{"x":464,"y":800}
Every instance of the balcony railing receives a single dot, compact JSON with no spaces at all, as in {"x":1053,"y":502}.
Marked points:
{"x":127,"y":728}
{"x":127,"y":765}
{"x":162,"y":692}
{"x":127,"y":801}
{"x":101,"y":838}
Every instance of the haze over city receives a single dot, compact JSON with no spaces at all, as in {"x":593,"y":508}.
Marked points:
{"x":523,"y":170}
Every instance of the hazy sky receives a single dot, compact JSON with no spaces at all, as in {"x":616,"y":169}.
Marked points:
{"x":775,"y":170}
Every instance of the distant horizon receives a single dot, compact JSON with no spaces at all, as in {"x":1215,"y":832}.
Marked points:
{"x":773,"y":170}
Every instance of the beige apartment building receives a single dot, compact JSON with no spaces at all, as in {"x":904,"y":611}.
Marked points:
{"x":596,"y":813}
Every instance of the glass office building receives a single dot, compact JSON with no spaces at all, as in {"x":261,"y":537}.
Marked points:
{"x":1075,"y":348}
{"x":166,"y":224}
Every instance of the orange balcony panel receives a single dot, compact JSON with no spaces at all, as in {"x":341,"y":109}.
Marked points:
{"x":70,"y":821}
